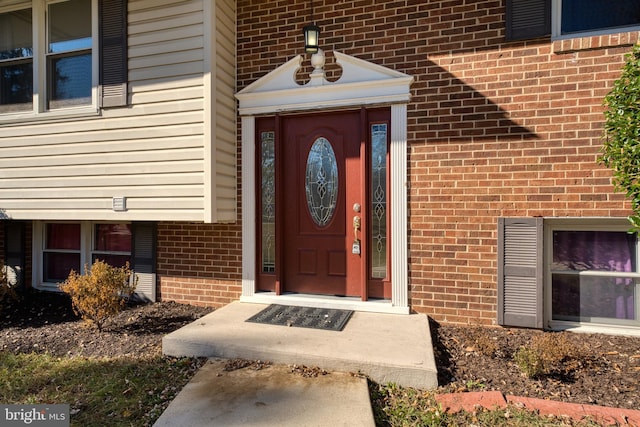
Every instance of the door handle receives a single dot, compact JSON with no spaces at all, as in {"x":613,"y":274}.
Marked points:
{"x":356,"y":226}
{"x":355,"y":249}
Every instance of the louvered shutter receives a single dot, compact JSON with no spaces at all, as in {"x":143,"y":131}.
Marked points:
{"x":527,"y":19}
{"x":14,"y":256}
{"x":520,"y":258}
{"x":144,"y":259}
{"x":113,"y":53}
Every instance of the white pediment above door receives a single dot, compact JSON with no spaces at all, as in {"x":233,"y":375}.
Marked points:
{"x":361,"y":83}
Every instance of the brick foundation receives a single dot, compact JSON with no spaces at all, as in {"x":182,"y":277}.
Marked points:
{"x":198,"y":263}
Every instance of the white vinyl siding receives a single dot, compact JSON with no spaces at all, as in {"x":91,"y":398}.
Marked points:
{"x":156,"y":152}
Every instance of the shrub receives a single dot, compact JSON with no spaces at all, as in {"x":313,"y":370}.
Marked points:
{"x":99,"y":293}
{"x":480,"y":340}
{"x":621,"y":148}
{"x":547,"y":353}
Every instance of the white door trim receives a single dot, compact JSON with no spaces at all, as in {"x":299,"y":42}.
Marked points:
{"x":361,"y":84}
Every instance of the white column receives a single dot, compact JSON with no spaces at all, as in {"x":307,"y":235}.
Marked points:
{"x":248,"y":206}
{"x":399,"y":260}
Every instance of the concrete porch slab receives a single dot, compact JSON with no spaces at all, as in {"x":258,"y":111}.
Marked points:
{"x":388,"y":348}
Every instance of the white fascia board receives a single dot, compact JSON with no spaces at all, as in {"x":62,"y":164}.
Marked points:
{"x":330,"y":96}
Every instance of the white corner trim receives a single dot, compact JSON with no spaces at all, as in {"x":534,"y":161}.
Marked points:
{"x":248,"y":206}
{"x":399,"y":214}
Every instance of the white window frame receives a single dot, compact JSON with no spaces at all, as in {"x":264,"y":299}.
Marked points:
{"x":40,"y":90}
{"x":591,"y":224}
{"x":556,"y":26}
{"x":87,"y":239}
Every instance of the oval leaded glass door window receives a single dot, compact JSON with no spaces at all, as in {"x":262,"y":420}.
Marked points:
{"x":321,"y":182}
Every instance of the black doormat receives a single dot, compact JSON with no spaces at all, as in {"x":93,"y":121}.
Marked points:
{"x":303,"y":317}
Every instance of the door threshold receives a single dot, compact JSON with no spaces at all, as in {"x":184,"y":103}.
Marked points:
{"x":326,"y":301}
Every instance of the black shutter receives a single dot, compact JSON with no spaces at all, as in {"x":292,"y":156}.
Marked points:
{"x":14,"y":257}
{"x":528,"y":19}
{"x":113,"y":52}
{"x":520,"y":252}
{"x":143,"y":259}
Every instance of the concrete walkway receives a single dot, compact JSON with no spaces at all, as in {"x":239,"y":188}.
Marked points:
{"x":271,"y":396}
{"x":384,"y":347}
{"x":388,"y":348}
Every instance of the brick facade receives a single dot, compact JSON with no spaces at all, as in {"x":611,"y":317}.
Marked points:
{"x":199,"y":263}
{"x":495,"y":129}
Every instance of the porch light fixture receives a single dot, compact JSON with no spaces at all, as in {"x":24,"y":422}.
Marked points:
{"x":311,"y":35}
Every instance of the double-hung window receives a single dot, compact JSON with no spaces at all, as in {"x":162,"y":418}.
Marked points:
{"x":572,"y":18}
{"x":65,"y":246}
{"x":527,"y":19}
{"x":47,"y":56}
{"x":563,"y":273}
{"x":61,"y":57}
{"x":16,"y":61}
{"x":69,"y":70}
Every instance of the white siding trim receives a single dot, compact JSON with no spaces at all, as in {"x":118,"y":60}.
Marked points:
{"x":219,"y":111}
{"x":209,"y":76}
{"x":248,"y":206}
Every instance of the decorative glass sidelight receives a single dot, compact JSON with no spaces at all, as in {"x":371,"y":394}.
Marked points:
{"x":321,"y":182}
{"x":268,"y":202}
{"x":379,"y":201}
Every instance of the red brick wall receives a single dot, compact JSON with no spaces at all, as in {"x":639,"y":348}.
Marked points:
{"x":199,"y":263}
{"x":496,"y":128}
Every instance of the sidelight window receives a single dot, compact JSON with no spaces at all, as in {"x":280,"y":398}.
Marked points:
{"x":379,"y":201}
{"x":268,"y":201}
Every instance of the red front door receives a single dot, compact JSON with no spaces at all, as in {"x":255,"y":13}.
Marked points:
{"x":323,"y":177}
{"x":323,"y":223}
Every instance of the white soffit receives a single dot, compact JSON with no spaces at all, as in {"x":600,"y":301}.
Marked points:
{"x":361,"y":83}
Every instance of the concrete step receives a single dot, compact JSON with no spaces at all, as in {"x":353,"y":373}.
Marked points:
{"x":388,"y":348}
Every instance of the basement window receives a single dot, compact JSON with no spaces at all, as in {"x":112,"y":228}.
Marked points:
{"x":60,"y":247}
{"x":594,"y":275}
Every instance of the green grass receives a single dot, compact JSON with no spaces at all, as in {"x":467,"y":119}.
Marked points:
{"x":101,"y":391}
{"x":128,"y":391}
